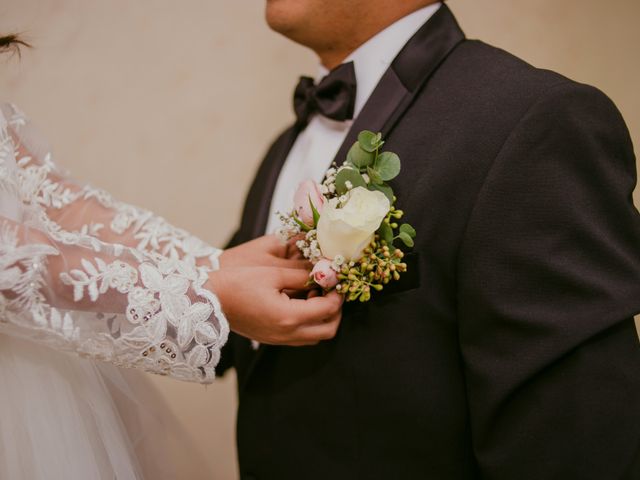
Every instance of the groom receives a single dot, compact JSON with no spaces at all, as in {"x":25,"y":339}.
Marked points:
{"x":508,"y":351}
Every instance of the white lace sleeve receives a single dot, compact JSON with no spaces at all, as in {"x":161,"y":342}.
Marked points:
{"x":84,"y":273}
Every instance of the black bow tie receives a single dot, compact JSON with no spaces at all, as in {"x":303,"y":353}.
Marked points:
{"x":334,"y":97}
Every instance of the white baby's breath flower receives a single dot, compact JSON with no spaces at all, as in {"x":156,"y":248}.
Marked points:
{"x":281,"y":233}
{"x":337,"y":263}
{"x":348,"y":184}
{"x":289,"y":228}
{"x":366,"y":178}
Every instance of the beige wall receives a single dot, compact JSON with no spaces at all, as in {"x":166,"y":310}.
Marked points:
{"x":171,"y":104}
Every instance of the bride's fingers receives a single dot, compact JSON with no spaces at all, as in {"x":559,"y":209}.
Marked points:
{"x":290,"y":279}
{"x":300,"y":264}
{"x":274,"y":246}
{"x":297,"y":294}
{"x":292,"y":250}
{"x":294,"y":253}
{"x":317,"y":310}
{"x":314,"y":292}
{"x":312,"y":334}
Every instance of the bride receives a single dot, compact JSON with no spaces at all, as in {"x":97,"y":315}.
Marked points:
{"x":85,"y":274}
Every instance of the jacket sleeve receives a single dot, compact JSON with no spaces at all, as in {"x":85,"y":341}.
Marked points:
{"x":549,"y":282}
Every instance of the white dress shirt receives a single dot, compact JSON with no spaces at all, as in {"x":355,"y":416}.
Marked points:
{"x":315,"y":148}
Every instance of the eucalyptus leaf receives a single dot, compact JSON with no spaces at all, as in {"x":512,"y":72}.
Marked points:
{"x":348,"y":175}
{"x":408,"y":229}
{"x":386,"y":233}
{"x":369,"y":141}
{"x":360,"y":157}
{"x":406,"y":239}
{"x":388,"y":165}
{"x":374,"y":176}
{"x":386,"y":189}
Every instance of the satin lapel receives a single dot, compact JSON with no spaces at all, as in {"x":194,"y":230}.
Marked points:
{"x":409,"y":71}
{"x":278,"y":156}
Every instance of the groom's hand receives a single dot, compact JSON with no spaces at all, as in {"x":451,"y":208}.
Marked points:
{"x":257,"y":307}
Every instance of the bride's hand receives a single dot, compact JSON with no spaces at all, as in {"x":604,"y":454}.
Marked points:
{"x":266,"y":251}
{"x":256,"y":306}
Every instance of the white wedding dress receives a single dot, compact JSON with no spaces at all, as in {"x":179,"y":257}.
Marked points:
{"x":84,"y":277}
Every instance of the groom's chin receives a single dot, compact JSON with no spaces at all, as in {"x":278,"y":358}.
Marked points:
{"x":287,"y":16}
{"x":302,"y":21}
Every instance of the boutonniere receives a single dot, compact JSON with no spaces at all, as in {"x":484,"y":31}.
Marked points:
{"x":348,"y":226}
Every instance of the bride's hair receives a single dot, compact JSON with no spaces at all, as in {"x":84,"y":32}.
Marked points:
{"x":12,"y":43}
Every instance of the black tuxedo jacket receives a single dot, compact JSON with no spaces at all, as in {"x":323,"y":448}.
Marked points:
{"x":509,"y":350}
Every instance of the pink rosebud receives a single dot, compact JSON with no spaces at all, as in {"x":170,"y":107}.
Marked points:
{"x":308,"y":190}
{"x":324,"y":275}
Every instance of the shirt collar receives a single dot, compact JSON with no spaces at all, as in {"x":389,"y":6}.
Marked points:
{"x":374,"y":57}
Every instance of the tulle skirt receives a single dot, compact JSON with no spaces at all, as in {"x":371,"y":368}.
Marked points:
{"x":66,"y":418}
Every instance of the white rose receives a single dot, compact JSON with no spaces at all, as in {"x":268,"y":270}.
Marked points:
{"x":348,"y":230}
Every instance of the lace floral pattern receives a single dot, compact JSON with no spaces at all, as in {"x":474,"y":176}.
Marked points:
{"x":132,"y":290}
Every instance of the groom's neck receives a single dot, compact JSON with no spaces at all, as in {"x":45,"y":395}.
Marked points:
{"x":332,"y":55}
{"x":334,"y":29}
